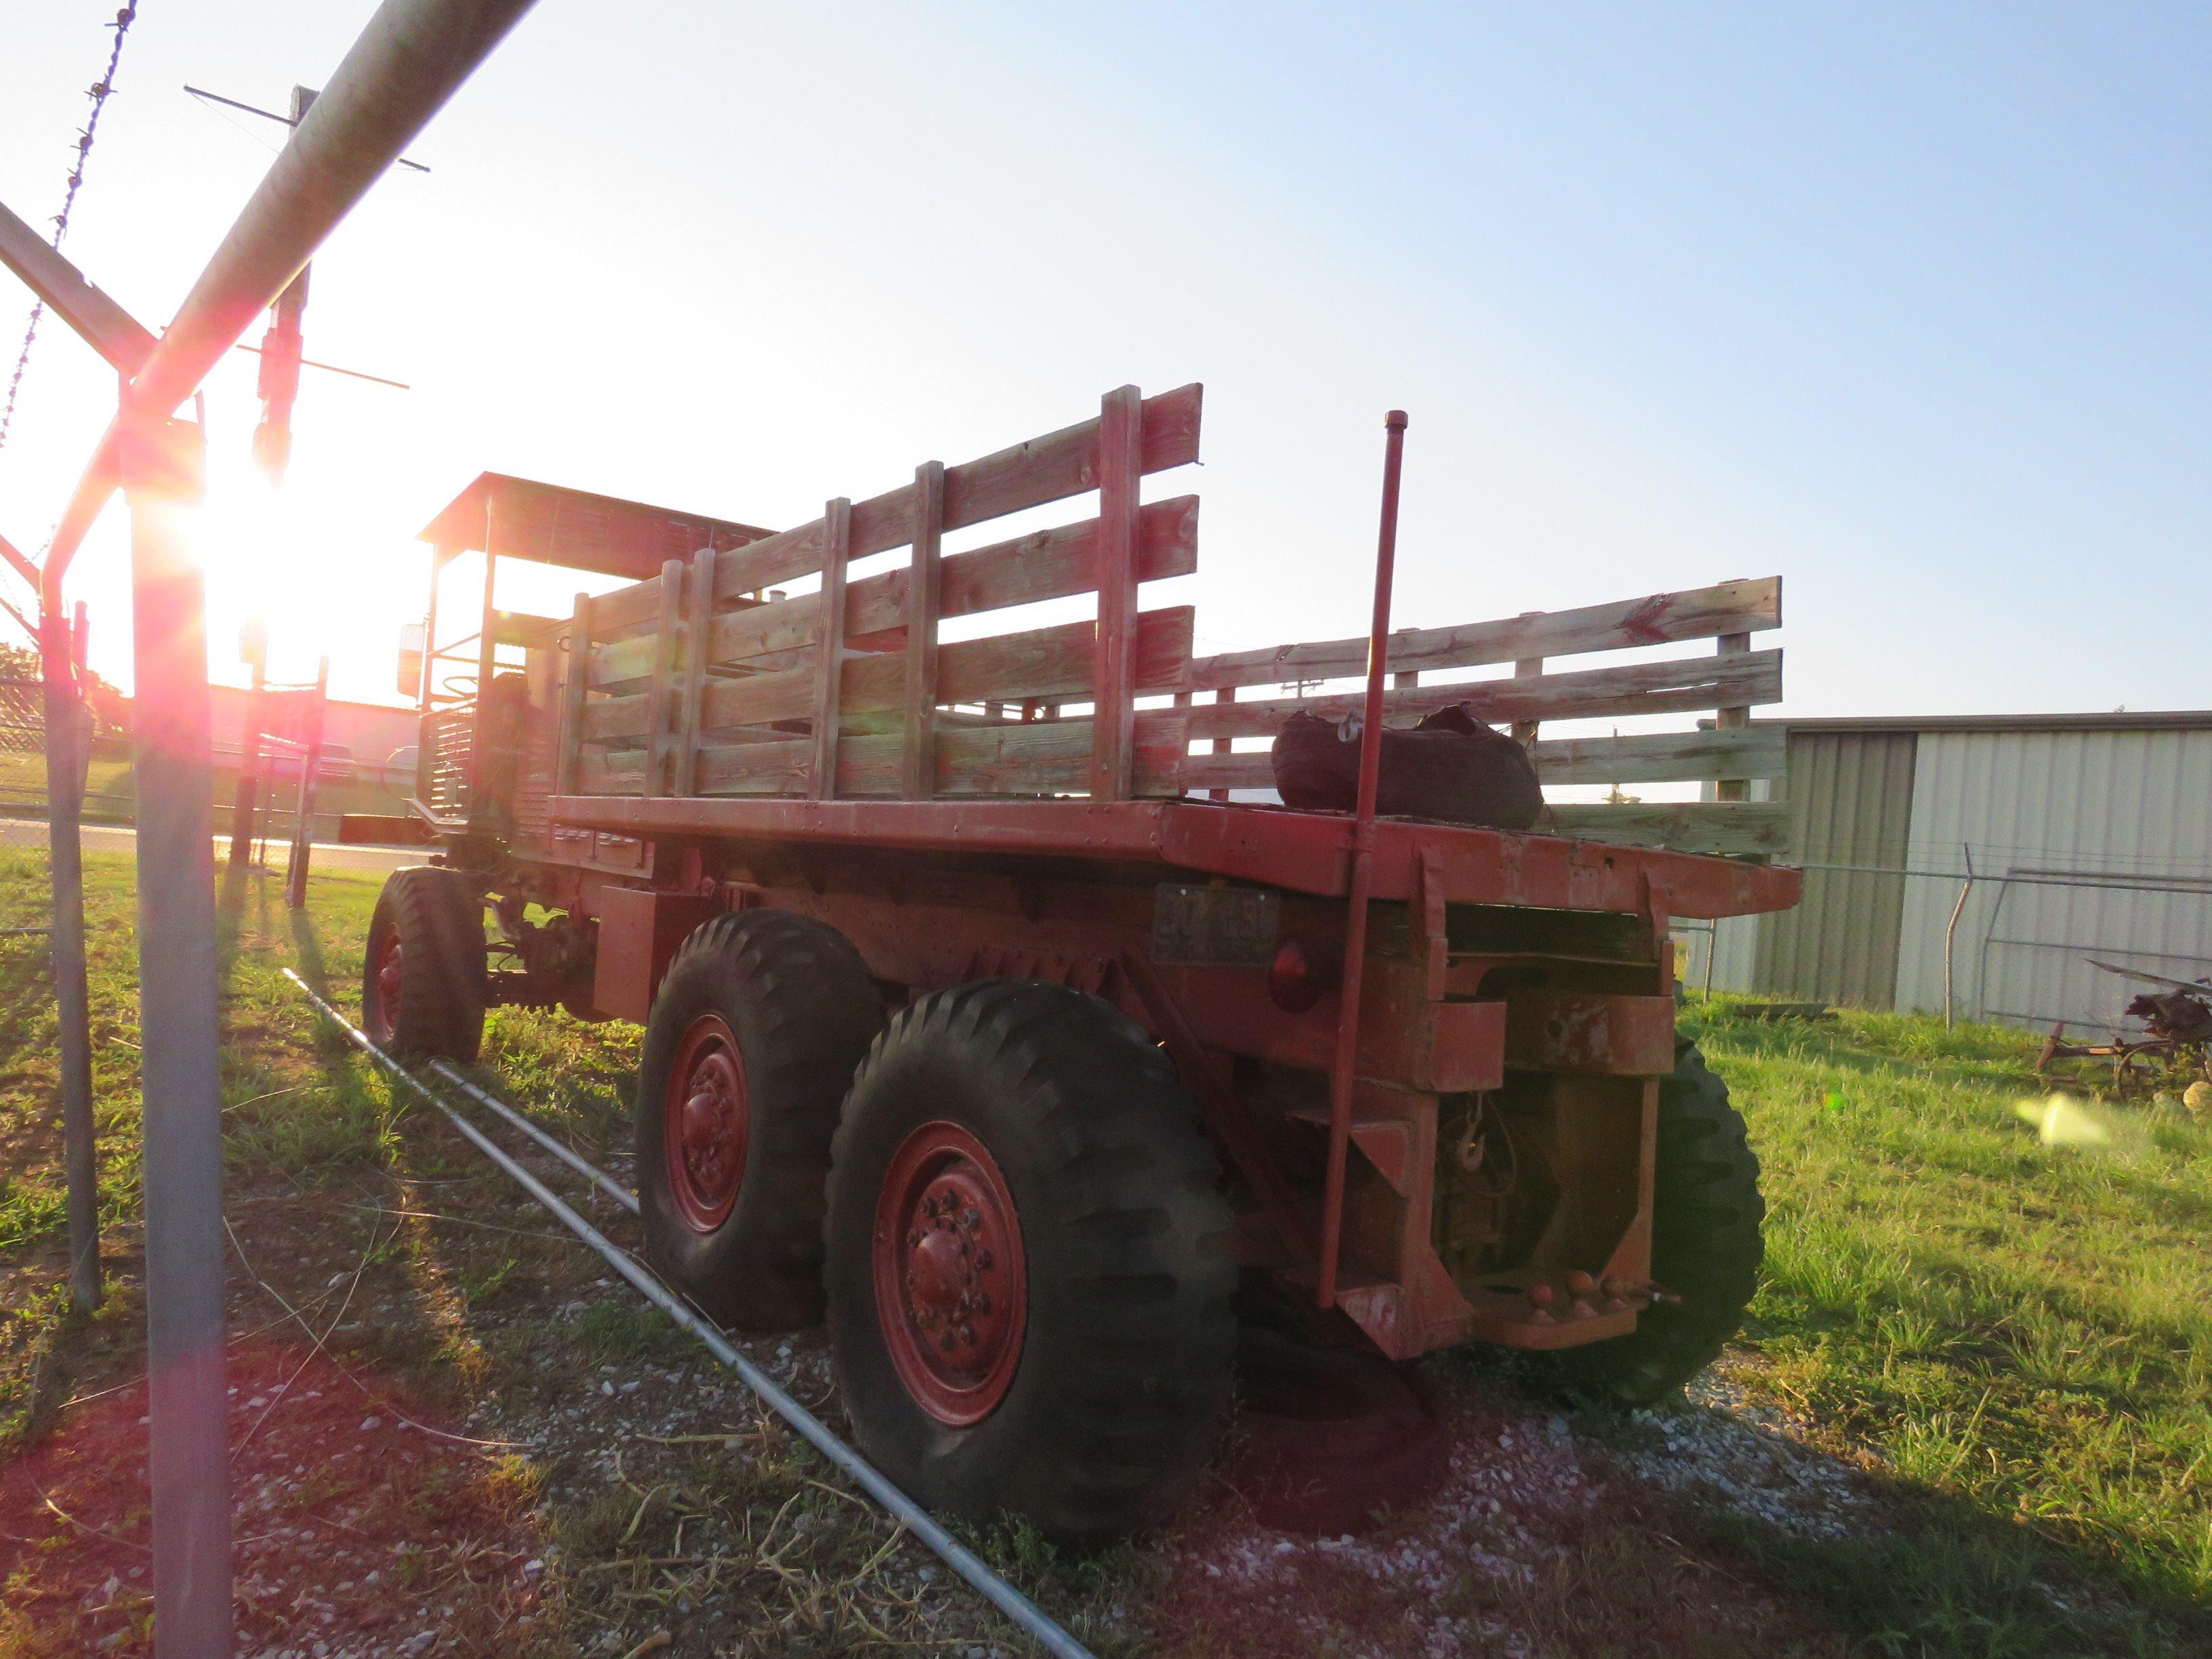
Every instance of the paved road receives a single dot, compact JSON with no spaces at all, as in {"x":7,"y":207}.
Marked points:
{"x":116,"y":838}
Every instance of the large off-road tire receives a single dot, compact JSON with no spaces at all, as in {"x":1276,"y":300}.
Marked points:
{"x":753,"y":1039}
{"x":1706,"y":1213}
{"x":1029,"y":1275}
{"x":424,"y":973}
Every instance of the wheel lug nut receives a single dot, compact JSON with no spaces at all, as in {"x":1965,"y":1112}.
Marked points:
{"x":968,"y":1217}
{"x":968,"y":1335}
{"x":982,"y":1301}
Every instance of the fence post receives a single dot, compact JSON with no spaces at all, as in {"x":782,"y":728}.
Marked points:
{"x":180,"y":1067}
{"x":68,"y":749}
{"x":249,"y":749}
{"x":311,"y":762}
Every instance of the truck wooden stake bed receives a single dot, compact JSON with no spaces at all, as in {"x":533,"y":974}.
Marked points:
{"x":984,"y":1020}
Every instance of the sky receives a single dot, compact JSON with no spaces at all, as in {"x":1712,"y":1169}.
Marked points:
{"x":1910,"y":304}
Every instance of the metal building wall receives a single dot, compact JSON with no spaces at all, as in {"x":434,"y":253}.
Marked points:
{"x":1850,"y":795}
{"x":2085,"y":842}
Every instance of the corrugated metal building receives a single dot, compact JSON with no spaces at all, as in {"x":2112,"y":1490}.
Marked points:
{"x":2000,"y":852}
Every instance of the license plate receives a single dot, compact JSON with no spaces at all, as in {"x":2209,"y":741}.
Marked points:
{"x":1214,"y":927}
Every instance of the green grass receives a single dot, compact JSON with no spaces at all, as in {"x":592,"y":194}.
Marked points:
{"x":2020,"y":1334}
{"x":2017,"y":1337}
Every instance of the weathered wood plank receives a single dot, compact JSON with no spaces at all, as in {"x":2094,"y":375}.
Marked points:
{"x":1066,"y":463}
{"x":627,"y":608}
{"x":575,"y":688}
{"x":925,"y":591}
{"x":1665,"y":756}
{"x":1043,"y":662}
{"x":1114,"y":690}
{"x":1046,"y":564}
{"x":1733,"y":719}
{"x":1047,"y":469}
{"x":1038,"y":759}
{"x":697,"y":632}
{"x":1721,"y":826}
{"x":829,"y":649}
{"x":1733,"y":607}
{"x":1654,"y":688}
{"x":1645,"y":757}
{"x":666,"y":637}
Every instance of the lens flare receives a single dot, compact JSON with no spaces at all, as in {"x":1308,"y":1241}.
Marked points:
{"x":2061,"y":1120}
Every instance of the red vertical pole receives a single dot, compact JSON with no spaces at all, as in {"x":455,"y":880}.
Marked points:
{"x":1363,"y":855}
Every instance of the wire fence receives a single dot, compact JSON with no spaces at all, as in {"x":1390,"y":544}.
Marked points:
{"x":2014,"y":935}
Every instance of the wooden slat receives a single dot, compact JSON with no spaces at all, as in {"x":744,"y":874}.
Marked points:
{"x":1043,"y":662}
{"x":1113,"y":697}
{"x":1733,"y":719}
{"x":1066,"y":463}
{"x":1046,"y":564}
{"x":1645,"y":688}
{"x":574,"y":689}
{"x":783,"y":557}
{"x":1045,"y":757}
{"x":1047,"y":469}
{"x":1646,"y":757}
{"x":698,"y":630}
{"x":829,"y":649}
{"x":627,"y":608}
{"x":924,"y":592}
{"x":1733,"y":607}
{"x":667,"y":635}
{"x":1724,"y":826}
{"x":1664,"y":756}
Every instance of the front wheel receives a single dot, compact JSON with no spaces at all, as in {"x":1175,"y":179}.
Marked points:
{"x":1028,"y":1273}
{"x":1707,"y":1215}
{"x":424,"y":975}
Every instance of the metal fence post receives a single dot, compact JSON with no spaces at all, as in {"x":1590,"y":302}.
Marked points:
{"x":180,"y":1064}
{"x":68,"y":746}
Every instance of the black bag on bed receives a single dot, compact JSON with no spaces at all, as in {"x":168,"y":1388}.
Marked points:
{"x":1452,"y":768}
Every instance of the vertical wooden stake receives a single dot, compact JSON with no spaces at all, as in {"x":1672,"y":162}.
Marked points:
{"x":918,"y":762}
{"x":830,"y":646}
{"x":1524,"y":731}
{"x":573,"y":690}
{"x":1114,"y":685}
{"x":698,"y":647}
{"x":660,"y":747}
{"x":1223,"y":746}
{"x":1733,"y":719}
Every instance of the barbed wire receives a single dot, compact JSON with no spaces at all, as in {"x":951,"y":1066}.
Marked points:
{"x":99,"y":92}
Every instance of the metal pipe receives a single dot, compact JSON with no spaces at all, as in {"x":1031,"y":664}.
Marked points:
{"x":1001,"y":1593}
{"x":180,"y":1069}
{"x":410,"y":59}
{"x":606,"y":1183}
{"x":1362,"y":860}
{"x":1951,"y":929}
{"x":67,"y":744}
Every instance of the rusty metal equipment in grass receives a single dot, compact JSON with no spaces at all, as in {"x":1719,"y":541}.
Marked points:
{"x":2176,"y":1044}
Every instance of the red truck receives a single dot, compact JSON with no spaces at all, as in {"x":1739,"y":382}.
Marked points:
{"x":985,"y":1021}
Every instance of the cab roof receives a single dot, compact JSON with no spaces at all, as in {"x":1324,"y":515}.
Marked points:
{"x":515,"y":518}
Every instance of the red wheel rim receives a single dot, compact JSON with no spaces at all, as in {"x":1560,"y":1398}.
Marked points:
{"x":704,"y":1124}
{"x":383,"y":1009}
{"x":951,"y":1281}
